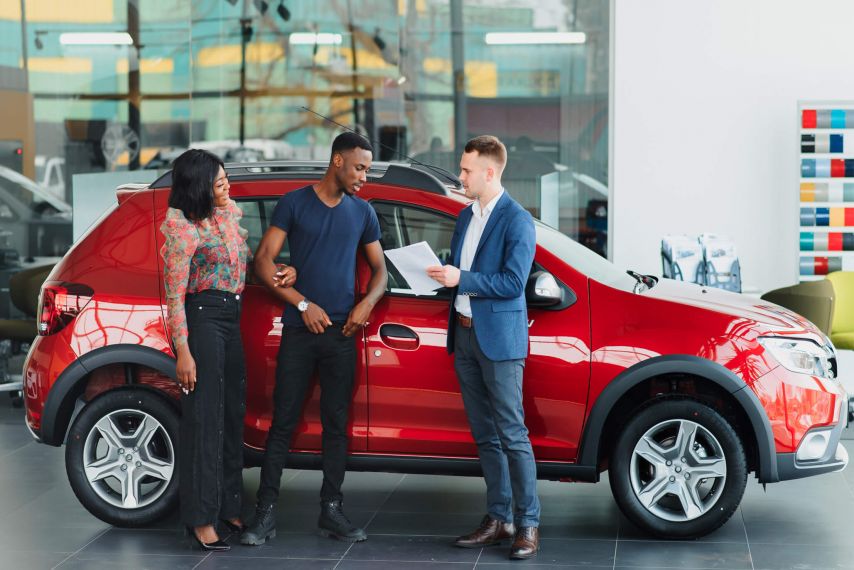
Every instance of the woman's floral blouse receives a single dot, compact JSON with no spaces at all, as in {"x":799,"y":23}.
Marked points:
{"x":208,"y":254}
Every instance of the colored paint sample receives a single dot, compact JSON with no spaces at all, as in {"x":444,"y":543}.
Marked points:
{"x":837,"y":217}
{"x":808,"y":119}
{"x":849,"y":217}
{"x":837,"y":119}
{"x":832,"y":192}
{"x":807,"y":217}
{"x":848,"y":192}
{"x":848,"y":242}
{"x":849,"y":168}
{"x":822,"y":216}
{"x":808,"y":144}
{"x":807,"y":266}
{"x":835,"y":168}
{"x":819,"y":241}
{"x":809,"y":192}
{"x":808,"y":168}
{"x":834,"y":241}
{"x":807,"y":241}
{"x":822,"y":119}
{"x":835,"y":142}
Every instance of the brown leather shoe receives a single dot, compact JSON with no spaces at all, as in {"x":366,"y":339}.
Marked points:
{"x":526,"y":544}
{"x":488,"y":533}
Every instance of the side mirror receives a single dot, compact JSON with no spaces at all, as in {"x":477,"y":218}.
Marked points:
{"x":543,"y":290}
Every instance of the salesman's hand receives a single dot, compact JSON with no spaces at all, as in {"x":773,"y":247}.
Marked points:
{"x":357,"y":319}
{"x":447,"y":275}
{"x":316,"y":319}
{"x":285,"y":275}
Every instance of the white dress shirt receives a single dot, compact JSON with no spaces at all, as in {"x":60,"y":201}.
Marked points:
{"x":480,"y":216}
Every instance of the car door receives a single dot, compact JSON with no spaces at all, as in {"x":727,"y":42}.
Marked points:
{"x":261,"y":331}
{"x":415,"y":406}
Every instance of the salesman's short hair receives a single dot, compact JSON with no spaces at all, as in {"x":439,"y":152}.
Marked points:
{"x":488,"y":146}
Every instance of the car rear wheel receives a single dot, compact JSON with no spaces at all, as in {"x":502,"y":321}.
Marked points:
{"x":678,"y":469}
{"x":120,"y":457}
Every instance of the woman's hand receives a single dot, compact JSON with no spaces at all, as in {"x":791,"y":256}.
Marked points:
{"x":186,"y":369}
{"x":286,"y":275}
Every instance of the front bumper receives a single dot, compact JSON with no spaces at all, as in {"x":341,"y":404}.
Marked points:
{"x":834,"y":458}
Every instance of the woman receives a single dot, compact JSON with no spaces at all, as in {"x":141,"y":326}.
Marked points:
{"x":204,"y":271}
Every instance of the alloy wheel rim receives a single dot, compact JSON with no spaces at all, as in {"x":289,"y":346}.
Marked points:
{"x":128,"y":458}
{"x":678,"y":470}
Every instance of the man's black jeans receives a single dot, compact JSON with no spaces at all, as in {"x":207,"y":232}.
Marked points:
{"x":301,"y":353}
{"x":210,"y":461}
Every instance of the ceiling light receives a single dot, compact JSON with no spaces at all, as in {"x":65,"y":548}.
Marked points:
{"x":308,"y":38}
{"x":535,"y":38}
{"x":95,"y":38}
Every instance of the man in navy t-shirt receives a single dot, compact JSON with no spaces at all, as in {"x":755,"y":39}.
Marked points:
{"x":325,"y":224}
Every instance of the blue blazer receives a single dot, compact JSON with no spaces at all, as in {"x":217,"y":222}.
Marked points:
{"x":497,"y":279}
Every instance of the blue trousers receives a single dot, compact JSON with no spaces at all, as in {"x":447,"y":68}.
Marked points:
{"x":492,"y":394}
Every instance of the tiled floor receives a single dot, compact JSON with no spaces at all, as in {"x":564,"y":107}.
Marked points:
{"x":411,"y":521}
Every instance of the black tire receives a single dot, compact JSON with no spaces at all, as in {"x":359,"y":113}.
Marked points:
{"x":716,"y":497}
{"x":105,"y":498}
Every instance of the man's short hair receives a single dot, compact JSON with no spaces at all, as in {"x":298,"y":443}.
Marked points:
{"x":349,"y":141}
{"x":489,"y":146}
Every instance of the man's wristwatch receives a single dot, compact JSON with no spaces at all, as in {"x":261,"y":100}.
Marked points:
{"x":303,"y":305}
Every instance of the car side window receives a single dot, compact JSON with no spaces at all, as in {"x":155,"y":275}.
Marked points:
{"x":402,"y":225}
{"x":256,"y":219}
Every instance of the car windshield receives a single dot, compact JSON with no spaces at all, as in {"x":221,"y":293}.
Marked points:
{"x":582,"y":259}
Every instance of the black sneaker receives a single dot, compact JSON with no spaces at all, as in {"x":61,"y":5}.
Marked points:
{"x":335,"y":524}
{"x":262,"y":528}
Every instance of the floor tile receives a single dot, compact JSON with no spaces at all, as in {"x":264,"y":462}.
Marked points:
{"x":410,"y":549}
{"x":802,"y":557}
{"x":94,"y":561}
{"x":646,"y":554}
{"x":218,"y":562}
{"x":557,"y":552}
{"x":290,"y":545}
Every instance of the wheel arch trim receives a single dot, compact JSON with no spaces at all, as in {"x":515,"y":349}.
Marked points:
{"x":69,"y":386}
{"x":682,"y":364}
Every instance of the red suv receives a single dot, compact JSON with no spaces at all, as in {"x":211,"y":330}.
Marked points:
{"x":678,"y":391}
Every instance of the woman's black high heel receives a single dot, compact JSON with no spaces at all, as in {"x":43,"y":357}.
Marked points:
{"x":218,"y":546}
{"x":235,"y":528}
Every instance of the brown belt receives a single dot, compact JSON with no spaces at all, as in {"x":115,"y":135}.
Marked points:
{"x":464,"y":321}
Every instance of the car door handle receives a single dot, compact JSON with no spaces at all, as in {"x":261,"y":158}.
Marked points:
{"x":399,"y":336}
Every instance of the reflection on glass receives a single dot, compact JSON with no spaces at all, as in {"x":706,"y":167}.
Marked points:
{"x":222,"y":75}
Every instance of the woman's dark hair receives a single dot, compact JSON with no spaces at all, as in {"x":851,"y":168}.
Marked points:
{"x":193,"y":176}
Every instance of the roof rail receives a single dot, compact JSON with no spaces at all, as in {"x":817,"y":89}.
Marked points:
{"x":418,"y":176}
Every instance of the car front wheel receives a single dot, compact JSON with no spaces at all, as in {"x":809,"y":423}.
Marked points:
{"x":678,"y":469}
{"x":120,"y":457}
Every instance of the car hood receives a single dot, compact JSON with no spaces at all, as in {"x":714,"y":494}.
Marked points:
{"x":769,"y":318}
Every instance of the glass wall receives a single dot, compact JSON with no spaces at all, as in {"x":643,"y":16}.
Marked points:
{"x":113,"y":85}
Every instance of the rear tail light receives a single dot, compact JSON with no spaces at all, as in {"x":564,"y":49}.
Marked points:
{"x":59,"y":304}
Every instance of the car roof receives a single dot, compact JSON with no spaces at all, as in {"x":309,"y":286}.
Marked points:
{"x":417,"y":176}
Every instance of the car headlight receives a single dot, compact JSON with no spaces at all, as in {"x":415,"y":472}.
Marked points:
{"x":800,"y":355}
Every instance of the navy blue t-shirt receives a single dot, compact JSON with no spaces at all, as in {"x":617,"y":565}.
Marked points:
{"x":323,"y":243}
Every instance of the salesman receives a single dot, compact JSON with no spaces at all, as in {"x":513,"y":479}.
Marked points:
{"x":493,"y":251}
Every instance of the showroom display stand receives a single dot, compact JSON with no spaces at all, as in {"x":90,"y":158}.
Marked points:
{"x":826,"y":188}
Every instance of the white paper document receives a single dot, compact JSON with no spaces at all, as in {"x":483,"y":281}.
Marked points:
{"x":412,"y":262}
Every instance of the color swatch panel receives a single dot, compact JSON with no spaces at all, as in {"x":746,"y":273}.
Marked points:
{"x":827,"y":191}
{"x":827,"y":119}
{"x":836,"y":217}
{"x":822,"y":143}
{"x":827,"y":168}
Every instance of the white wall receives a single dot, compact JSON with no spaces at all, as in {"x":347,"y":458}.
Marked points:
{"x":705,"y":126}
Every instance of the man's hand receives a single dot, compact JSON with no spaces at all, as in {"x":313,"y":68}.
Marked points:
{"x":358,"y":318}
{"x":186,"y":369}
{"x":285,"y":276}
{"x":447,"y":275}
{"x":316,"y":319}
